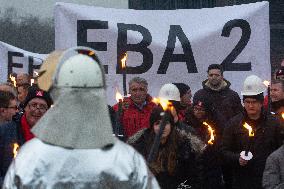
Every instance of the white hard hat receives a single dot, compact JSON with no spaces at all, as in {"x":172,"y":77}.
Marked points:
{"x":253,"y":85}
{"x":79,"y":70}
{"x":169,"y":92}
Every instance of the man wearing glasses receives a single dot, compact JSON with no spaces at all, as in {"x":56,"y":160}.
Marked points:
{"x":17,"y":132}
{"x":8,"y":106}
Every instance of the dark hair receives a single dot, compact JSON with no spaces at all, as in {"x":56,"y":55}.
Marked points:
{"x":215,"y":66}
{"x":182,"y":87}
{"x":166,"y":156}
{"x":5,"y":98}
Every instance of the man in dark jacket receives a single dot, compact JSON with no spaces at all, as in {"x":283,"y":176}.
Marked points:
{"x":15,"y":133}
{"x":217,"y":90}
{"x":223,"y":99}
{"x":247,"y":174}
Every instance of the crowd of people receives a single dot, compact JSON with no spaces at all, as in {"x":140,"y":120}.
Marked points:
{"x":214,"y":141}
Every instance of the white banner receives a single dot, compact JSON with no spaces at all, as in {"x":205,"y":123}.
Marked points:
{"x":16,"y":60}
{"x":170,"y":45}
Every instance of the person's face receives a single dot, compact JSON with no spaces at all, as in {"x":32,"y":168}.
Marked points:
{"x":22,"y":93}
{"x":215,"y":77}
{"x":35,"y":110}
{"x":166,"y":131}
{"x":185,"y":100}
{"x":252,"y":106}
{"x":276,"y":92}
{"x":9,"y":111}
{"x":138,"y":92}
{"x":199,"y":112}
{"x":22,"y":78}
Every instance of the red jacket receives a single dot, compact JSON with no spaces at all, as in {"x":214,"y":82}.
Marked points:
{"x":133,"y":119}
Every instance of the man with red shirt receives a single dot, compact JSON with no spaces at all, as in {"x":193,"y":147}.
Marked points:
{"x":136,"y":108}
{"x":18,"y":131}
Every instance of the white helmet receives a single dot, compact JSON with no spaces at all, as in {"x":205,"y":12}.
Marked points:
{"x":76,"y":69}
{"x":253,"y":85}
{"x":169,"y":92}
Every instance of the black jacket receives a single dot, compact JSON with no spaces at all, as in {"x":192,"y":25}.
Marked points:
{"x":235,"y":140}
{"x":225,"y":100}
{"x":187,"y":169}
{"x":10,"y":133}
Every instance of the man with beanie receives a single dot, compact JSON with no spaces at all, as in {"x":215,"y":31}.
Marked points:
{"x":17,"y":132}
{"x":247,"y":174}
{"x":185,"y":100}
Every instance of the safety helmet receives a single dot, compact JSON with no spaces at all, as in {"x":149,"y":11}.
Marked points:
{"x":79,"y":68}
{"x":253,"y":85}
{"x":169,"y":92}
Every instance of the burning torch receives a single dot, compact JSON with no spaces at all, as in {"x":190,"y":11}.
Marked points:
{"x":165,"y":118}
{"x":267,"y":84}
{"x":15,"y":149}
{"x":13,"y":80}
{"x":211,"y":132}
{"x":247,"y":155}
{"x":118,"y":114}
{"x":123,"y":67}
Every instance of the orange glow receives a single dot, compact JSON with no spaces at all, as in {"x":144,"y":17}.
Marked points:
{"x":211,"y":132}
{"x":91,"y":53}
{"x":118,"y":96}
{"x":123,"y":61}
{"x":15,"y":149}
{"x":163,"y":102}
{"x":282,"y":115}
{"x":266,"y":83}
{"x":13,"y":79}
{"x":249,"y":128}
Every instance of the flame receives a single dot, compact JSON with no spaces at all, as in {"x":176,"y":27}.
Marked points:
{"x":15,"y":149}
{"x":211,"y":132}
{"x":123,"y":61}
{"x":32,"y":81}
{"x":36,"y":73}
{"x":13,"y":79}
{"x":266,"y":83}
{"x":249,"y":128}
{"x":282,"y":115}
{"x":163,"y":102}
{"x":91,"y":53}
{"x":118,"y":96}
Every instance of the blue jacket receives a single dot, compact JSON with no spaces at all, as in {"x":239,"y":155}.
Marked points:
{"x":10,"y":133}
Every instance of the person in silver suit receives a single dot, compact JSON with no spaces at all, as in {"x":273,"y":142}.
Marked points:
{"x":74,"y":147}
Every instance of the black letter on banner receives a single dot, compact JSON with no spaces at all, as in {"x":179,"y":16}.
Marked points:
{"x":32,"y":66}
{"x":123,"y":47}
{"x":228,"y":64}
{"x":12,"y":64}
{"x":82,"y":27}
{"x":187,"y":57}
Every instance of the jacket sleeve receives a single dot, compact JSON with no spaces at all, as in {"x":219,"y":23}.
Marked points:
{"x":229,"y":156}
{"x":271,"y":174}
{"x":2,"y":174}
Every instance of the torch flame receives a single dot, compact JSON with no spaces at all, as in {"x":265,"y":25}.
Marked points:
{"x":211,"y":132}
{"x":118,"y":96}
{"x":282,"y":115}
{"x":13,"y":79}
{"x":32,"y":82}
{"x":123,"y":61}
{"x":36,"y":73}
{"x":163,"y":102}
{"x":249,"y":128}
{"x":15,"y":149}
{"x":266,"y":83}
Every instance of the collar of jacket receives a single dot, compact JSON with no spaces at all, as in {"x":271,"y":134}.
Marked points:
{"x":224,"y":85}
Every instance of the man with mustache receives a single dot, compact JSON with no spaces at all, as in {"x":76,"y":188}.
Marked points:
{"x":137,"y":108}
{"x":217,"y":91}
